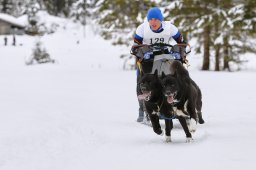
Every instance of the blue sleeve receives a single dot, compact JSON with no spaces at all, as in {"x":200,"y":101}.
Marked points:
{"x":176,"y":37}
{"x":138,"y":39}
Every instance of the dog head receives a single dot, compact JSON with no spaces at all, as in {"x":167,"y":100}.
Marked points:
{"x":150,"y":86}
{"x":170,"y":88}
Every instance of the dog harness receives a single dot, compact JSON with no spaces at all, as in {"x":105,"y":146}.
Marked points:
{"x":161,"y":116}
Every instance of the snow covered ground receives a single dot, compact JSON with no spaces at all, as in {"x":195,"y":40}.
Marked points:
{"x":80,"y":113}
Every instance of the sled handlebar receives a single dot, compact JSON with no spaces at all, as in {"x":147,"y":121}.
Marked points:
{"x":156,"y":46}
{"x":159,"y":45}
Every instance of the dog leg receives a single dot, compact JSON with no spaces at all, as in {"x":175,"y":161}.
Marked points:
{"x":192,"y":125}
{"x":168,"y":139}
{"x":155,"y":124}
{"x":201,"y":120}
{"x":168,"y":128}
{"x":184,"y":125}
{"x":189,"y":140}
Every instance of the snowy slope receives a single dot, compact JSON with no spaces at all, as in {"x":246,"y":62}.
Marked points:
{"x":80,"y":113}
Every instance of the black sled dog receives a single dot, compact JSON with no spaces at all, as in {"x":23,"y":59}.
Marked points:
{"x":157,"y":106}
{"x":183,"y":94}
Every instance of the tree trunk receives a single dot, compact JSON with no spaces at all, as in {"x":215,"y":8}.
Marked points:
{"x":217,"y":58}
{"x":5,"y":6}
{"x":226,"y":55}
{"x":216,"y":34}
{"x":206,"y":59}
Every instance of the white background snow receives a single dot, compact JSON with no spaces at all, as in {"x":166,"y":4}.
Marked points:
{"x":81,"y":112}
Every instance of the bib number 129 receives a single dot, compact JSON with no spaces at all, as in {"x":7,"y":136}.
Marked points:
{"x":156,"y":40}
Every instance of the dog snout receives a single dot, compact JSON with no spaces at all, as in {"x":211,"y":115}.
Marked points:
{"x":143,"y":88}
{"x":168,"y":93}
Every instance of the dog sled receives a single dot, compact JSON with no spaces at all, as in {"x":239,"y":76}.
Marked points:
{"x":161,"y":55}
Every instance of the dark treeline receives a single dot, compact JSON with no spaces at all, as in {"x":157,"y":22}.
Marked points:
{"x":223,"y":29}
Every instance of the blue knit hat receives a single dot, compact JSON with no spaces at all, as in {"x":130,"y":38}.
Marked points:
{"x":156,"y":13}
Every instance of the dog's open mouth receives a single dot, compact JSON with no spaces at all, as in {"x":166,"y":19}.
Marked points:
{"x":145,"y":96}
{"x":171,"y":98}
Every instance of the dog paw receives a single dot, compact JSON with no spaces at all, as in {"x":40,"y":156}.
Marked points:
{"x":192,"y":125}
{"x":168,"y":139}
{"x":201,"y":121}
{"x":189,"y":139}
{"x":159,"y":131}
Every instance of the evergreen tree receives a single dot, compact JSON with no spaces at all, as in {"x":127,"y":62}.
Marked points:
{"x":119,"y":18}
{"x":14,"y":7}
{"x":249,"y":17}
{"x":81,"y":9}
{"x":235,"y":34}
{"x":218,"y":26}
{"x":58,"y":7}
{"x":6,"y":6}
{"x":194,"y":17}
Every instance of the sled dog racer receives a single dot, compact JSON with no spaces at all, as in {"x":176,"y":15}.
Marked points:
{"x":154,"y":30}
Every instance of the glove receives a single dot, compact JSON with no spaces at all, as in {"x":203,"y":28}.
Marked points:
{"x":133,"y":50}
{"x":147,"y":55}
{"x":176,"y":55}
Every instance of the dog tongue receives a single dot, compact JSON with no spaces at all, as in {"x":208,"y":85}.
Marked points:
{"x":170,"y":99}
{"x":142,"y":96}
